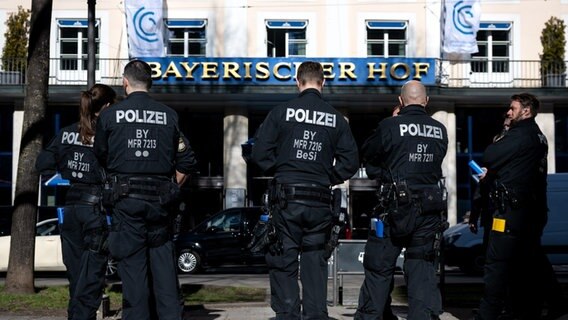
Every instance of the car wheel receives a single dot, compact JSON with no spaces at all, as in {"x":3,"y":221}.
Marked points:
{"x":111,"y":268}
{"x":188,"y":261}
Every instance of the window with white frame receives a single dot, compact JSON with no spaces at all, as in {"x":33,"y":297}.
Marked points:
{"x":73,"y":44}
{"x":386,"y":38}
{"x":286,"y":38}
{"x":187,"y":38}
{"x":494,"y":44}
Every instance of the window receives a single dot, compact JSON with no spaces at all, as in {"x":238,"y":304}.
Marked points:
{"x":386,"y":38}
{"x":187,"y":38}
{"x":6,"y":130}
{"x":228,"y":221}
{"x":561,"y":139}
{"x":286,"y":38}
{"x":475,"y":130}
{"x":494,"y":43}
{"x":73,"y":44}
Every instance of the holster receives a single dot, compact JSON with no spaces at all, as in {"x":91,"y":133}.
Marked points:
{"x":401,"y":192}
{"x":339,"y":220}
{"x":108,"y":198}
{"x":275,"y":196}
{"x":98,"y":240}
{"x":501,"y":196}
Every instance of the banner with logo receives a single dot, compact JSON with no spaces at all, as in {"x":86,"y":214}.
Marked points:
{"x":145,"y":25}
{"x":461,"y":24}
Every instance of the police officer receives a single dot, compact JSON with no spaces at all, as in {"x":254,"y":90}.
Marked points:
{"x":409,"y":148}
{"x":146,"y":156}
{"x":83,"y":225}
{"x":308,"y":146}
{"x":482,"y":208}
{"x":516,"y":168}
{"x":378,"y":174}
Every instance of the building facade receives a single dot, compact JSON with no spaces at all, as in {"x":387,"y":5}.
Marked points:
{"x":226,"y":63}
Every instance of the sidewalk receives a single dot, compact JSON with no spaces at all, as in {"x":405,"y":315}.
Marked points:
{"x":258,"y":311}
{"x":248,"y":312}
{"x":241,"y":311}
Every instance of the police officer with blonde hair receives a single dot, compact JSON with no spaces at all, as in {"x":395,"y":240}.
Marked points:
{"x":409,"y":150}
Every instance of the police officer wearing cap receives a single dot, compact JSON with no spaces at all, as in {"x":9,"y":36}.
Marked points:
{"x":517,"y":171}
{"x":409,"y":150}
{"x":83,"y":224}
{"x":308,"y":147}
{"x":147,"y":158}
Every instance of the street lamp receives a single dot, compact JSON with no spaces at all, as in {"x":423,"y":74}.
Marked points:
{"x":91,"y":44}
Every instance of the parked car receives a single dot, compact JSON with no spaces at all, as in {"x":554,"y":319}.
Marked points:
{"x":220,"y":240}
{"x":464,"y":249}
{"x":48,"y":256}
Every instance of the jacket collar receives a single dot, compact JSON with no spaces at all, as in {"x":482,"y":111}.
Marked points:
{"x":312,"y":91}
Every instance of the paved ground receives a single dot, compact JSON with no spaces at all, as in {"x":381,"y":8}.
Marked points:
{"x":254,"y":311}
{"x":261,"y":310}
{"x":247,"y":311}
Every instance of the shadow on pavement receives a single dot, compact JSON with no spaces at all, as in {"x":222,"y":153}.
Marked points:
{"x":201,"y":312}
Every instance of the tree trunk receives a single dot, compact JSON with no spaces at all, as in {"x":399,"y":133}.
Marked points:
{"x":20,"y":274}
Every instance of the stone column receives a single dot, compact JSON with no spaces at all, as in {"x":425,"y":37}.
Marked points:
{"x":545,"y":120}
{"x":18,"y":122}
{"x":235,"y":128}
{"x":447,"y":116}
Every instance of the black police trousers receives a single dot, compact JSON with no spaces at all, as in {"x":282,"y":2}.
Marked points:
{"x":507,"y":272}
{"x":83,"y":234}
{"x":424,"y":299}
{"x":303,"y":229}
{"x":140,"y":242}
{"x":516,"y":267}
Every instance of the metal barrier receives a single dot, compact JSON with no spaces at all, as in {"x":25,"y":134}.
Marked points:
{"x":347,"y":260}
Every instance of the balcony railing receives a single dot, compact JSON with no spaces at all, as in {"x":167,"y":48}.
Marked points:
{"x":65,"y":71}
{"x":465,"y":73}
{"x":499,"y":74}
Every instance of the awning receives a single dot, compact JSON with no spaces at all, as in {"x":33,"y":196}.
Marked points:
{"x":75,"y":23}
{"x":186,"y":23}
{"x":376,"y":24}
{"x":286,"y":24}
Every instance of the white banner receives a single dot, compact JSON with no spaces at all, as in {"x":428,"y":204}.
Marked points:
{"x":145,"y":28}
{"x":460,"y":26}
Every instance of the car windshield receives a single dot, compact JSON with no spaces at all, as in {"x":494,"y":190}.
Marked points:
{"x":48,"y":229}
{"x":228,"y":221}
